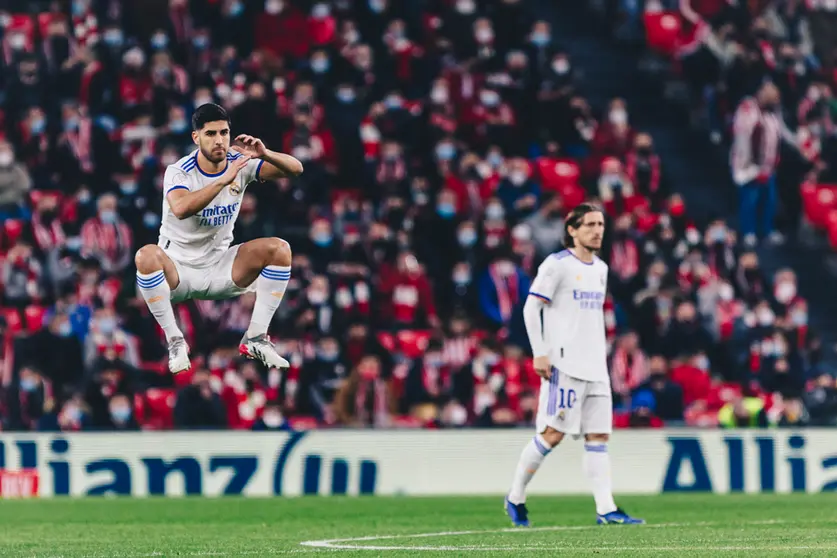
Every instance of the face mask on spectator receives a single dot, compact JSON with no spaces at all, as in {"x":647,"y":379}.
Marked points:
{"x":466,"y":7}
{"x":446,"y":210}
{"x":495,"y":159}
{"x":151,"y":220}
{"x":351,"y":36}
{"x":439,"y":95}
{"x":320,"y":11}
{"x":200,"y":42}
{"x":37,"y":126}
{"x":272,"y":419}
{"x":319,"y":65}
{"x":785,"y":292}
{"x":17,"y":41}
{"x":467,"y":237}
{"x":725,"y":292}
{"x":540,"y":38}
{"x":765,"y":317}
{"x":345,"y":95}
{"x":421,"y":198}
{"x":236,"y":9}
{"x":322,"y":239}
{"x":462,"y":277}
{"x":457,"y":415}
{"x":484,"y":35}
{"x":200,"y":101}
{"x":106,"y":325}
{"x":393,"y":102}
{"x":719,"y":235}
{"x":692,"y":236}
{"x":159,"y":41}
{"x":517,"y":177}
{"x":28,"y":385}
{"x":561,"y":66}
{"x":495,"y":211}
{"x":445,"y":151}
{"x":702,"y":362}
{"x":65,"y":329}
{"x":6,"y":158}
{"x":328,"y":355}
{"x":128,"y":188}
{"x":377,"y":6}
{"x":505,"y":268}
{"x":120,"y":414}
{"x":618,"y":117}
{"x":317,"y":297}
{"x":799,"y":318}
{"x":107,"y":216}
{"x":179,"y":126}
{"x":113,"y":38}
{"x":489,"y":98}
{"x":273,"y":7}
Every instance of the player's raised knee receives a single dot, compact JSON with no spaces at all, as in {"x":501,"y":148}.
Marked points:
{"x":278,"y":251}
{"x":149,"y":258}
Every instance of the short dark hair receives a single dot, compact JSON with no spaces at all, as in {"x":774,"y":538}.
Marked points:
{"x":208,"y":112}
{"x":574,"y":220}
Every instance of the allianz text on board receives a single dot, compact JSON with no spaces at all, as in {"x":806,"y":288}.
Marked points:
{"x":412,"y":462}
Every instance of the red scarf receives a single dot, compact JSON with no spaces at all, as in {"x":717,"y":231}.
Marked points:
{"x":507,"y":291}
{"x":380,"y":410}
{"x":624,"y":259}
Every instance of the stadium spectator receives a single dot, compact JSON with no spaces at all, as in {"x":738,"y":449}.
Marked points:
{"x":198,"y":406}
{"x":668,"y":395}
{"x":366,"y":398}
{"x":272,"y":419}
{"x":121,"y":413}
{"x":743,"y":412}
{"x":15,"y":184}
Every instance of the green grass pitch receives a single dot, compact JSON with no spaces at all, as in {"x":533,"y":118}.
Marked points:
{"x":679,"y":525}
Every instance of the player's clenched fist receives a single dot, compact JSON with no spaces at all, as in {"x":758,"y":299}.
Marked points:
{"x":542,"y":366}
{"x":233,"y":168}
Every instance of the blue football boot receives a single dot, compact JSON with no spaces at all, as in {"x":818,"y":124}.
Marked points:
{"x":618,"y":517}
{"x":518,"y":514}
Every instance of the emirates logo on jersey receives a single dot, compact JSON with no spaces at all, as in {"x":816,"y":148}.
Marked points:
{"x":235,"y":188}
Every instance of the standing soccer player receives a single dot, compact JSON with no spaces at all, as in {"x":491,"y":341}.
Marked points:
{"x":565,"y":322}
{"x":193,"y":258}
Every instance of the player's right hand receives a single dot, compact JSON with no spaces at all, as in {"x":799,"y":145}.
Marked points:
{"x":542,"y":367}
{"x":233,"y":168}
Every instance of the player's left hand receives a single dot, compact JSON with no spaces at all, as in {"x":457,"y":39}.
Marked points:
{"x":249,"y":145}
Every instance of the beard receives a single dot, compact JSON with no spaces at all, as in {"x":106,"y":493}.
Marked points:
{"x":212,"y":157}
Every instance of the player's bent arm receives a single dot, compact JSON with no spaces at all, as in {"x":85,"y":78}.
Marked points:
{"x":534,"y":326}
{"x":278,"y":165}
{"x":184,"y":203}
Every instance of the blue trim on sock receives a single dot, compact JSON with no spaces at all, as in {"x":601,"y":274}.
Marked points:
{"x":154,"y":282}
{"x":598,"y":448}
{"x":276,"y":275}
{"x":542,"y":449}
{"x":150,"y":279}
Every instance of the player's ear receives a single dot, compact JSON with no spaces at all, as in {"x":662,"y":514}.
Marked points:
{"x":195,"y":137}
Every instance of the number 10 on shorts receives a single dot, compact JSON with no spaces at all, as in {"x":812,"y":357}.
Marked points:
{"x":566,"y":398}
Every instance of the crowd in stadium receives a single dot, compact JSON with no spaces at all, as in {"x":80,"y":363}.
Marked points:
{"x":441,"y":150}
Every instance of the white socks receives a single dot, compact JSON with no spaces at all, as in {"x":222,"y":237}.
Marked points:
{"x":157,"y":294}
{"x":531,"y":458}
{"x":596,"y":467}
{"x":270,"y":288}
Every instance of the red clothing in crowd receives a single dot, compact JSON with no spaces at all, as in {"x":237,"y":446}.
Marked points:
{"x":695,"y":382}
{"x":404,"y":297}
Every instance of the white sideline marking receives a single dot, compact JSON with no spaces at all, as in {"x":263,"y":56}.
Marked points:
{"x":351,"y":543}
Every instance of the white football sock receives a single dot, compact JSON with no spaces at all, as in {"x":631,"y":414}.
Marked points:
{"x":596,"y":465}
{"x":270,"y":288}
{"x":157,"y":294}
{"x":531,"y":458}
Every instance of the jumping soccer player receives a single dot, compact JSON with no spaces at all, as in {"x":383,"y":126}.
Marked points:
{"x":571,"y":359}
{"x":193,"y":258}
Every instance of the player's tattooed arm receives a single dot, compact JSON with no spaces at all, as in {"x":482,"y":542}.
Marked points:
{"x":185,"y":204}
{"x":275,"y":164}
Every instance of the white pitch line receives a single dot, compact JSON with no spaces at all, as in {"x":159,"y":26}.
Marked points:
{"x":351,"y":543}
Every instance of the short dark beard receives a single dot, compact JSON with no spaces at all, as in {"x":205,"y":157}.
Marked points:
{"x":209,"y":158}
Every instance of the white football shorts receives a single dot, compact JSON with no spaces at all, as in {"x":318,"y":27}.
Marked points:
{"x":211,"y":282}
{"x":574,"y":406}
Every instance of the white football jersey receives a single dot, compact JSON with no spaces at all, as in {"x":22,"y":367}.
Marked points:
{"x":573,"y":315}
{"x":200,"y":240}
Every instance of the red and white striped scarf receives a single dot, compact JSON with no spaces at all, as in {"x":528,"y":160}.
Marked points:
{"x":48,"y":236}
{"x":458,"y":351}
{"x":79,"y":142}
{"x":380,"y":410}
{"x":507,"y":291}
{"x":624,"y":258}
{"x":625,"y":377}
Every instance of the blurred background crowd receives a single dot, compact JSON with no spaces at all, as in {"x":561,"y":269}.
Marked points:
{"x":443,"y":141}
